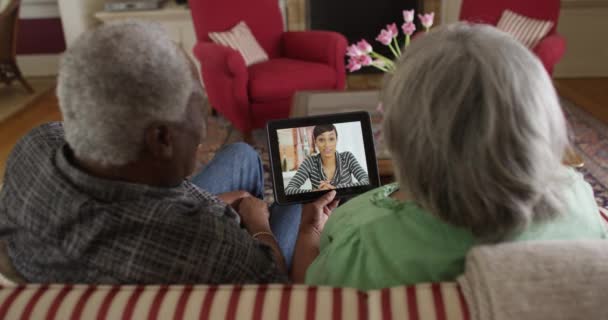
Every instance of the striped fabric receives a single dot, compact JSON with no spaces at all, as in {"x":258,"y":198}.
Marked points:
{"x":241,"y":39}
{"x":436,"y":301}
{"x":527,"y":30}
{"x":428,"y":301}
{"x":311,"y":169}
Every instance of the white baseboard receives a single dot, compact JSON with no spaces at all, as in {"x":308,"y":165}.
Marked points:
{"x":39,"y":65}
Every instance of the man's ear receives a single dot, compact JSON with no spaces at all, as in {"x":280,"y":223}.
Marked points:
{"x":159,"y":141}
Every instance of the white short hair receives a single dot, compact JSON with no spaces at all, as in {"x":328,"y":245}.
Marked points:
{"x":116,"y":80}
{"x":476,"y":130}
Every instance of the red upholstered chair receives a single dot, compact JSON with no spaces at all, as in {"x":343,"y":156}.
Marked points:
{"x":550,"y":50}
{"x":250,"y":96}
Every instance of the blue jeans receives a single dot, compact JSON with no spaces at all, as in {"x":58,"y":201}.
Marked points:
{"x":239,"y":167}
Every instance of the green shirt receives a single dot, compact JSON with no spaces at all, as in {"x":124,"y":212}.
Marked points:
{"x":374,"y":241}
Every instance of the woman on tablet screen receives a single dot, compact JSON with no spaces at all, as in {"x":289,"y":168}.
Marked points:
{"x":328,"y":169}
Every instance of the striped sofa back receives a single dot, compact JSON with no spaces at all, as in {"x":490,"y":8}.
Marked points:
{"x":427,"y":301}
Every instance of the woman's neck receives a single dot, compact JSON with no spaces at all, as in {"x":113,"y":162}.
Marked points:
{"x":329,"y":161}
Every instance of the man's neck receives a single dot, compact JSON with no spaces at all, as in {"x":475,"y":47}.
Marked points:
{"x":134,"y":172}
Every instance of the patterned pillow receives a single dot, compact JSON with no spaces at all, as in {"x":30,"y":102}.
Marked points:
{"x":241,"y":39}
{"x":527,"y":30}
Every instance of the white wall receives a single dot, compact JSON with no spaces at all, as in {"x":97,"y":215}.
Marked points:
{"x":584,"y":24}
{"x":33,"y":9}
{"x":350,"y":138}
{"x":77,"y":17}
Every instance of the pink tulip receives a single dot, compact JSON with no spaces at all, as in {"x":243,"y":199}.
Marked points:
{"x":385,"y":37}
{"x":353,"y":64}
{"x":427,"y":19}
{"x":365,"y":60}
{"x":364,"y":46}
{"x":408,"y":15}
{"x":393,"y":29}
{"x":353,"y":51}
{"x":408,"y":28}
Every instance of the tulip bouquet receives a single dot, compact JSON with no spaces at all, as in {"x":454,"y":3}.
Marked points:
{"x":362,"y":53}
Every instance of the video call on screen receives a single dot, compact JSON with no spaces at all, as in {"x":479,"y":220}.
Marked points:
{"x":322,"y":157}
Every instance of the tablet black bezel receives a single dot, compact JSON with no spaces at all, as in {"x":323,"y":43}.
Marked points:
{"x":275,"y":163}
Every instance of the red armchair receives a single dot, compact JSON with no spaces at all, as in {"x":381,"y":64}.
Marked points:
{"x":549,"y":50}
{"x":250,"y":96}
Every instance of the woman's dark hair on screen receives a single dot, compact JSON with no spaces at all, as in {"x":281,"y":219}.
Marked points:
{"x":322,"y":128}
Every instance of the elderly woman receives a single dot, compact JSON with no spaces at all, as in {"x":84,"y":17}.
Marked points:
{"x":328,"y":169}
{"x":102,"y":198}
{"x":477,"y":136}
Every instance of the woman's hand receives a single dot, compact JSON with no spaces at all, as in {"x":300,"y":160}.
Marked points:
{"x":254,"y":215}
{"x":325,"y":185}
{"x":315,"y":214}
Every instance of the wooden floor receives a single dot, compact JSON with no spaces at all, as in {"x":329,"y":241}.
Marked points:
{"x":590,"y":94}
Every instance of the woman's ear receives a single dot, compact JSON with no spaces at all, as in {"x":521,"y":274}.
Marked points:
{"x":159,"y":141}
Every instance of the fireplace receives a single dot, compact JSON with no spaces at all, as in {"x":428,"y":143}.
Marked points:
{"x":299,"y":18}
{"x":359,"y":19}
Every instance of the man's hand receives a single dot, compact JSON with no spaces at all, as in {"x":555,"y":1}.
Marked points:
{"x":254,"y":215}
{"x":315,"y":214}
{"x":234,"y":198}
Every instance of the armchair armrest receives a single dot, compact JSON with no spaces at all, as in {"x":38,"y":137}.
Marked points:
{"x":220,"y":57}
{"x":225,"y":76}
{"x":326,"y":47}
{"x":550,"y":50}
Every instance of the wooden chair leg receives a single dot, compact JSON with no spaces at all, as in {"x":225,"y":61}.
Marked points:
{"x":19,"y":77}
{"x":26,"y":85}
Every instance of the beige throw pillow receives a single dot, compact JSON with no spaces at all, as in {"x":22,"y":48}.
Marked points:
{"x":241,"y":39}
{"x":527,"y":30}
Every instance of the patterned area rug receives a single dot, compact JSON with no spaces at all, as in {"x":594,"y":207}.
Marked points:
{"x":590,"y":138}
{"x":589,"y":134}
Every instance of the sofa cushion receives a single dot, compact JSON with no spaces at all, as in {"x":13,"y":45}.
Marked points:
{"x":527,"y":30}
{"x":427,"y":301}
{"x":279,"y":78}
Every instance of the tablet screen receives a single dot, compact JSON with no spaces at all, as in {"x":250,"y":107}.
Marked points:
{"x":322,"y":157}
{"x":325,"y":154}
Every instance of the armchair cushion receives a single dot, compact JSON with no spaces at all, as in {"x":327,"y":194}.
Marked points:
{"x":316,"y":46}
{"x":280,"y":78}
{"x":527,"y":30}
{"x":241,"y":39}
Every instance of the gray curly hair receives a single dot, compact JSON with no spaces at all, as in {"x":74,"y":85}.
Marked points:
{"x":116,"y":80}
{"x":476,"y":130}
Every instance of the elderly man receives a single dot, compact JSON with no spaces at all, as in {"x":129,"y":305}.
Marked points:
{"x":102,"y":198}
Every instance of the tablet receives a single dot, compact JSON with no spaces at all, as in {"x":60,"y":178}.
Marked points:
{"x":312,"y":155}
